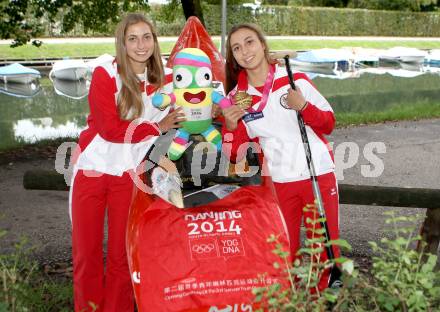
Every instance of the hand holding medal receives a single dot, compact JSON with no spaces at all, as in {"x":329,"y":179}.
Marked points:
{"x":242,"y":100}
{"x":232,"y":115}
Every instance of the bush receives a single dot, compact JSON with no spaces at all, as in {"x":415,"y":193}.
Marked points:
{"x":402,"y":279}
{"x":24,"y":287}
{"x":318,"y":21}
{"x":282,"y":20}
{"x":299,"y":292}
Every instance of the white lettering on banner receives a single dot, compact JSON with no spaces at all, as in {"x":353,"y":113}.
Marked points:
{"x":214,"y":234}
{"x":208,"y":287}
{"x":217,"y":227}
{"x":230,"y":246}
{"x":222,"y":215}
{"x":224,"y":246}
{"x":237,"y":307}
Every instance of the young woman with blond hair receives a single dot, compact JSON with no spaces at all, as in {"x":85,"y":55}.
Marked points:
{"x":109,"y":151}
{"x":266,"y":112}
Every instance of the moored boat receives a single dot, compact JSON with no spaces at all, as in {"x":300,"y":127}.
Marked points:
{"x":72,"y":89}
{"x":315,"y":60}
{"x":69,"y":70}
{"x":18,"y":73}
{"x":105,"y":58}
{"x":20,"y":89}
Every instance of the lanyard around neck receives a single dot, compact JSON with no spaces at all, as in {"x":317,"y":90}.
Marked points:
{"x":243,"y":86}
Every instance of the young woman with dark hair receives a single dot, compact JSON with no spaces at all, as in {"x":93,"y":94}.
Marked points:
{"x":266,"y":112}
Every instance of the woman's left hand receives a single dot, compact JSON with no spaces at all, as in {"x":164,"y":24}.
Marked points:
{"x":216,"y":111}
{"x":296,"y":100}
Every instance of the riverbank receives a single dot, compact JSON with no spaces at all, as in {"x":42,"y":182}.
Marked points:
{"x":93,"y":47}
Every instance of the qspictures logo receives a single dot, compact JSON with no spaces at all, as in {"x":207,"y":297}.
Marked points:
{"x":347,"y":155}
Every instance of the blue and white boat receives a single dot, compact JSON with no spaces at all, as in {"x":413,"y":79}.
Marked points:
{"x":18,"y":73}
{"x":317,"y":60}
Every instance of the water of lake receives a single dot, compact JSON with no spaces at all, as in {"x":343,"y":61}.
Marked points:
{"x":44,"y":113}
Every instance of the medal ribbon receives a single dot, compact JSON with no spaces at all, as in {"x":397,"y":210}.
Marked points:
{"x":243,"y":86}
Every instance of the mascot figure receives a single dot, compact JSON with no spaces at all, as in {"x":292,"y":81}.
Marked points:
{"x":193,"y":91}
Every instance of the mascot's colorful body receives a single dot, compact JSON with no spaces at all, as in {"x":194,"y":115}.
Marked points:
{"x":192,"y":77}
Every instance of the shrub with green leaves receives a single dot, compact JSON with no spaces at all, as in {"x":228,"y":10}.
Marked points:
{"x":401,"y":278}
{"x":300,"y":292}
{"x":403,"y":281}
{"x":24,"y":287}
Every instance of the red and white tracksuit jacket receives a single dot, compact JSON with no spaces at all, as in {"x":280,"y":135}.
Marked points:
{"x":277,"y":132}
{"x":108,"y":149}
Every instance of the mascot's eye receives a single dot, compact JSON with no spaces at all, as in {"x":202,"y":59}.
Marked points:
{"x":203,"y":77}
{"x":182,"y":77}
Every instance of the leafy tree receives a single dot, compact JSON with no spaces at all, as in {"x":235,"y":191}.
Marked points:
{"x":23,"y":20}
{"x":275,"y":2}
{"x":397,"y":5}
{"x":192,"y":8}
{"x":169,"y":12}
{"x":321,"y":3}
{"x":234,"y":2}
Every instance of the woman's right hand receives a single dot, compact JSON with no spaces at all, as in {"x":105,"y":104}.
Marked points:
{"x":232,"y":115}
{"x":172,"y":120}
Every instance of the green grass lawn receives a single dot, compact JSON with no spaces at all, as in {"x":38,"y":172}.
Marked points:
{"x":77,"y":50}
{"x":395,"y":113}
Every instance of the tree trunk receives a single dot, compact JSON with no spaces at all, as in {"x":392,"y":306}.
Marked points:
{"x":193,"y":8}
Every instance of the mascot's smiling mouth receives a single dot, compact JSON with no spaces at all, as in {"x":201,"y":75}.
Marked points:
{"x":194,"y":98}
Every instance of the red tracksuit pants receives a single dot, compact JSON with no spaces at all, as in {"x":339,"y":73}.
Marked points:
{"x":108,"y":287}
{"x":294,"y":196}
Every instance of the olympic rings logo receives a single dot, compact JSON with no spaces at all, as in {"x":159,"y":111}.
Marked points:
{"x":203,"y":248}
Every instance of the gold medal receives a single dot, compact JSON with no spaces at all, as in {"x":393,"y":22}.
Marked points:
{"x":243,"y":100}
